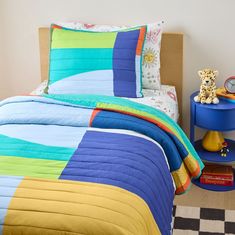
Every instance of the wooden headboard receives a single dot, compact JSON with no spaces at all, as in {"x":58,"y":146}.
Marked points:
{"x":171,"y":60}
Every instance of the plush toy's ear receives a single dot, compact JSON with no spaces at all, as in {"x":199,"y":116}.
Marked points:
{"x":200,"y":73}
{"x":216,"y":72}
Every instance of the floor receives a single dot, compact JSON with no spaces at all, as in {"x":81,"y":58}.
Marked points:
{"x":203,"y":198}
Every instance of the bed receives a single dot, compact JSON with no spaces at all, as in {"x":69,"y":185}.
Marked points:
{"x":92,"y":164}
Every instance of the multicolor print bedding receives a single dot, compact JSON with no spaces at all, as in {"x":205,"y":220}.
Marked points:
{"x":88,"y":164}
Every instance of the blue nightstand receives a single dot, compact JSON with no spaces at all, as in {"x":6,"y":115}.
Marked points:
{"x":217,"y":117}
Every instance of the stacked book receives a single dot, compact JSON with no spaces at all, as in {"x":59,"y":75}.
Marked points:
{"x":224,"y":95}
{"x":218,"y":175}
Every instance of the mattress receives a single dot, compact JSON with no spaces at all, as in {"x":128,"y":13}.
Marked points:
{"x":89,"y":164}
{"x":164,"y":99}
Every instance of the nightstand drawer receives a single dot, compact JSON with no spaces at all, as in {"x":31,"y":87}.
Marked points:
{"x":215,"y":119}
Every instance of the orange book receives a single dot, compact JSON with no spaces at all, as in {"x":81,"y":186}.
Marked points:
{"x":221,"y":92}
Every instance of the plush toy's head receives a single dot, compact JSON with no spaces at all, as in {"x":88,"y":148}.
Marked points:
{"x":208,"y":76}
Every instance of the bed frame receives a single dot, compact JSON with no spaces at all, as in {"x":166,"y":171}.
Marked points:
{"x":171,"y":60}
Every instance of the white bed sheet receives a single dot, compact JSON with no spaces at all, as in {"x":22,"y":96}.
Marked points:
{"x":164,"y":99}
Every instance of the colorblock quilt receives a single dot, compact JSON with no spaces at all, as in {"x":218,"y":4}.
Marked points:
{"x":88,"y":164}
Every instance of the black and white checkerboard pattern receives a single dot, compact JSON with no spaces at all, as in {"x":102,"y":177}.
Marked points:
{"x":203,"y":221}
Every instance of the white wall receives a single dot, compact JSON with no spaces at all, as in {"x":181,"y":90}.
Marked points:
{"x":208,"y":25}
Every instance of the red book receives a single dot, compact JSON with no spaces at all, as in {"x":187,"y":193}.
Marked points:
{"x":217,"y":174}
{"x":217,"y":182}
{"x":218,"y":170}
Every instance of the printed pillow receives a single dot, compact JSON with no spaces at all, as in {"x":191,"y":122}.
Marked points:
{"x":105,"y":63}
{"x":151,"y":52}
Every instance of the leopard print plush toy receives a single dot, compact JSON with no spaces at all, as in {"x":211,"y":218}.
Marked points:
{"x":207,"y":92}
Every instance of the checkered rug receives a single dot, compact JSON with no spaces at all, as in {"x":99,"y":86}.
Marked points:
{"x":203,"y":221}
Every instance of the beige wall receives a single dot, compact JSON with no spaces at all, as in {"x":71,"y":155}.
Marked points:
{"x":209,"y":27}
{"x":1,"y":57}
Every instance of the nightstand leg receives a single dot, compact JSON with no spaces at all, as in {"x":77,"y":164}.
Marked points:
{"x":192,"y":122}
